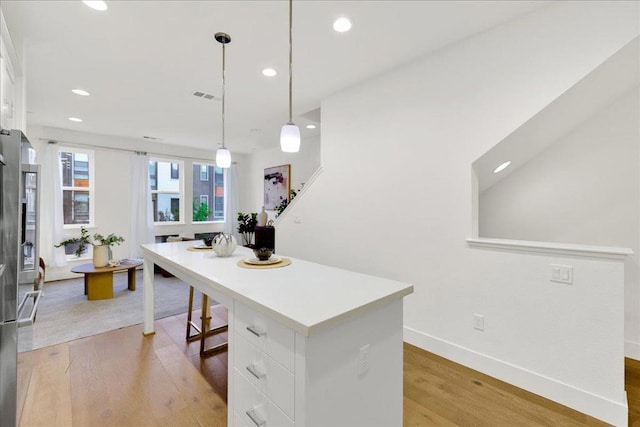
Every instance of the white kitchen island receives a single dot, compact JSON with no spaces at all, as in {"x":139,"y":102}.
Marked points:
{"x":309,"y":345}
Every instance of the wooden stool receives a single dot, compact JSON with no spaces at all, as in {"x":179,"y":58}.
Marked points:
{"x":203,"y":331}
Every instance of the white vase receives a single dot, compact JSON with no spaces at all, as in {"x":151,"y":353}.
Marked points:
{"x":100,"y":255}
{"x":224,"y":244}
{"x":262,"y":218}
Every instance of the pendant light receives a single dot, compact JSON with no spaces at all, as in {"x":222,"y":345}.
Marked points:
{"x":223,"y":155}
{"x":290,"y":133}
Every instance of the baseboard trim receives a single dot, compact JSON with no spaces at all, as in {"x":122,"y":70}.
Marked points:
{"x":612,"y":412}
{"x":632,"y":350}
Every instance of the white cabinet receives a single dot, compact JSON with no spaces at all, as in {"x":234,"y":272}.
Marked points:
{"x":11,"y":84}
{"x":266,"y":374}
{"x":283,"y":378}
{"x":268,"y":335}
{"x":295,"y":335}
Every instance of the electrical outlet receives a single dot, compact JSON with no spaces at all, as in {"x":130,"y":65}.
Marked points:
{"x":478,"y":322}
{"x":363,"y":360}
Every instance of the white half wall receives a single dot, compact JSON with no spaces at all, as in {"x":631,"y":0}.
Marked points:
{"x":584,"y":189}
{"x":395,"y":200}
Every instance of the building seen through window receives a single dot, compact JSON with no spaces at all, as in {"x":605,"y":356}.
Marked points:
{"x":208,"y":193}
{"x":77,"y":187}
{"x":166,"y":190}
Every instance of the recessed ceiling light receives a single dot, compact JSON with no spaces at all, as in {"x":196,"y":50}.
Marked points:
{"x":269,"y":72}
{"x":96,"y":4}
{"x":342,"y":25}
{"x":311,"y":126}
{"x":502,"y":166}
{"x":80,"y":92}
{"x":75,"y":119}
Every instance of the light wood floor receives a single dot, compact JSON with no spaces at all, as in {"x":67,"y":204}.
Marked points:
{"x":122,"y":379}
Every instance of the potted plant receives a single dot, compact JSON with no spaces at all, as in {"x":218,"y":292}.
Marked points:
{"x":101,"y":245}
{"x":102,"y":248}
{"x":247,"y":227}
{"x":77,"y":245}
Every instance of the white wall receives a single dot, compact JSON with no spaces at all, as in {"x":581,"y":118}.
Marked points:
{"x":585,"y":189}
{"x":395,"y":200}
{"x":303,"y":165}
{"x":112,"y":185}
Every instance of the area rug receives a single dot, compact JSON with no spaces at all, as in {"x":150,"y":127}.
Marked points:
{"x":64,"y":313}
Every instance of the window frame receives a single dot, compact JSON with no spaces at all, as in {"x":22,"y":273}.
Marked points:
{"x":181,"y":187}
{"x":205,"y":170}
{"x":90,"y":189}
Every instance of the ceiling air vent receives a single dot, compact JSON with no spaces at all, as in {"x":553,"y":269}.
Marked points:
{"x":203,"y":95}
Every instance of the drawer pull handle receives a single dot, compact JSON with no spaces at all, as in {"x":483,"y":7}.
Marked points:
{"x":255,"y":331}
{"x":256,"y":420}
{"x":254,"y":371}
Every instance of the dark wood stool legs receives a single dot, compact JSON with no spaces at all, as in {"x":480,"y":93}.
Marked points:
{"x":203,"y":330}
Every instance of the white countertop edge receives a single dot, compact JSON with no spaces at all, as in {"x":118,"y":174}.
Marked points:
{"x":191,"y":278}
{"x":551,"y":248}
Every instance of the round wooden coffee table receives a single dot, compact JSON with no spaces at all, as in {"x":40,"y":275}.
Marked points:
{"x":98,"y":282}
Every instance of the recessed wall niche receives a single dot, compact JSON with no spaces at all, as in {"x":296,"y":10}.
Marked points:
{"x":573,"y":175}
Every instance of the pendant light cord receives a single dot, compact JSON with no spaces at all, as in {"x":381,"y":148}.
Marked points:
{"x":223,"y":86}
{"x":290,"y":60}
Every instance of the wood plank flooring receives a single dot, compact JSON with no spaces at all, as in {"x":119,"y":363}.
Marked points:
{"x":120,"y":378}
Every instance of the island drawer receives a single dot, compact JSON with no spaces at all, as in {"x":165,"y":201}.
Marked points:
{"x":266,"y":334}
{"x":266,"y":374}
{"x":254,"y":408}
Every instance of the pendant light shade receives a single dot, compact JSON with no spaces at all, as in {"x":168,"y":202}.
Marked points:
{"x":290,"y":138}
{"x":223,"y":155}
{"x":290,"y":133}
{"x":223,"y":158}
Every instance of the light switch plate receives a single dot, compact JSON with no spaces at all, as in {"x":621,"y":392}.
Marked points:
{"x":562,"y":273}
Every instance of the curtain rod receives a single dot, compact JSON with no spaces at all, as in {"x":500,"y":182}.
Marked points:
{"x":80,"y":144}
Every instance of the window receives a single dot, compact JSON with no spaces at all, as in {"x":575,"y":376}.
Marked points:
{"x":77,"y":186}
{"x":208,"y":194}
{"x":166,"y":191}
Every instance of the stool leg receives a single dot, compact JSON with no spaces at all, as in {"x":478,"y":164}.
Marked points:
{"x":189,"y":313}
{"x":206,"y":319}
{"x":206,"y":331}
{"x":190,"y":323}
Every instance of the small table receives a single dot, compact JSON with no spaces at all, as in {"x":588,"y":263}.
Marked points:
{"x":98,"y":282}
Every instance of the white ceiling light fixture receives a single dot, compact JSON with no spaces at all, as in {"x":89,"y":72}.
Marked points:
{"x":223,"y":155}
{"x":269,"y":72}
{"x":80,"y":92}
{"x":311,"y":126}
{"x":502,"y":166}
{"x":75,"y":119}
{"x":290,"y":133}
{"x":96,"y":4}
{"x":342,"y":25}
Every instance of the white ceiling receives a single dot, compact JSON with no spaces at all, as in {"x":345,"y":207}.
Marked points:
{"x":142,"y":60}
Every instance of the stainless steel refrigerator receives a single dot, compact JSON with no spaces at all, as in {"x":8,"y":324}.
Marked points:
{"x":19,"y":207}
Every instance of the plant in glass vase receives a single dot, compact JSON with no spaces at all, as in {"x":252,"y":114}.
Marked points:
{"x":247,"y":227}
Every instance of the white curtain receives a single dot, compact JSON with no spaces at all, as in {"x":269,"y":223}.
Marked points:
{"x":231,"y":201}
{"x":141,"y":206}
{"x":51,"y":216}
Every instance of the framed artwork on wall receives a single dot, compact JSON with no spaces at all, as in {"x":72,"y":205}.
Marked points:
{"x":276,"y":185}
